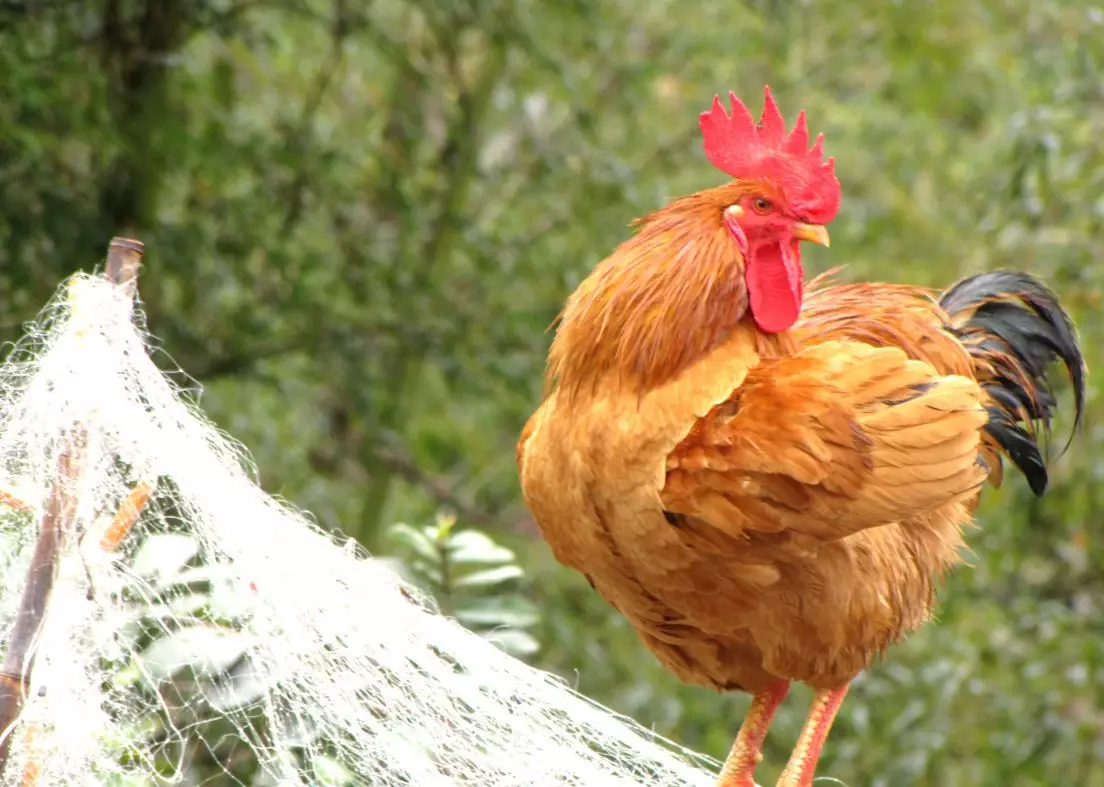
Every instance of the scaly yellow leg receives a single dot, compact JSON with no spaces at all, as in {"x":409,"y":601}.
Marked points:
{"x":801,"y":768}
{"x":747,"y":750}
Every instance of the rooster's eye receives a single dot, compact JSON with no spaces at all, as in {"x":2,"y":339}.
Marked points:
{"x":761,"y":205}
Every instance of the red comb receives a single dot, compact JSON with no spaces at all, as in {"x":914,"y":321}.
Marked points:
{"x":737,"y":146}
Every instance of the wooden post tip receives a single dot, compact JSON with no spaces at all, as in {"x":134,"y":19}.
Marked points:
{"x":130,"y":244}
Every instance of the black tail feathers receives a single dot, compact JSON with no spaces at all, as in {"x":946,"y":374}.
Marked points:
{"x":1014,"y":327}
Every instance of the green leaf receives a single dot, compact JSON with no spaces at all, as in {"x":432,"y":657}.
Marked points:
{"x":243,"y":688}
{"x":419,"y":541}
{"x":129,"y":779}
{"x":510,"y":611}
{"x":208,"y":573}
{"x":128,"y":676}
{"x":230,"y":600}
{"x":162,"y":556}
{"x":473,"y":546}
{"x":331,"y":773}
{"x":516,"y":643}
{"x":489,"y":577}
{"x":188,"y":604}
{"x":206,"y":650}
{"x":427,"y":574}
{"x":442,"y":529}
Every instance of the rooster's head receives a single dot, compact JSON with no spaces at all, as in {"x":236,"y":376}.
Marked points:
{"x":782,"y":193}
{"x":680,"y":287}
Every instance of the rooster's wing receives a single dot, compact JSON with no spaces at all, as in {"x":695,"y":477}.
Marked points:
{"x":840,"y":437}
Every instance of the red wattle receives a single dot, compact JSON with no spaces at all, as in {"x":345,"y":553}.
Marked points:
{"x":774,"y":287}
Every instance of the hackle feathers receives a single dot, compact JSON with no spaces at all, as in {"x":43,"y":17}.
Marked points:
{"x":663,"y":299}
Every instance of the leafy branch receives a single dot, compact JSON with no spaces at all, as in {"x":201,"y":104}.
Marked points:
{"x":472,"y":578}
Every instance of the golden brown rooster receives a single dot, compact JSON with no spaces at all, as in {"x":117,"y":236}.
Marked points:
{"x":768,"y":482}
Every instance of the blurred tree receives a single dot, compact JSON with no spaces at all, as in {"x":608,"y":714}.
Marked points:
{"x":362,"y":216}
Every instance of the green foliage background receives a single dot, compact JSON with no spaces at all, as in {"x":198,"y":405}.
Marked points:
{"x":362,"y":216}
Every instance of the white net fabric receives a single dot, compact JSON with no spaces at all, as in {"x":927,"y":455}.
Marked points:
{"x":229,"y":622}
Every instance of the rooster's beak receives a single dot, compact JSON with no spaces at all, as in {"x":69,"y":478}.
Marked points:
{"x":814,"y":233}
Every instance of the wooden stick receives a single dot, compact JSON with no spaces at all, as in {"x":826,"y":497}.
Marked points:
{"x":126,"y":516}
{"x":124,"y":258}
{"x":15,"y":670}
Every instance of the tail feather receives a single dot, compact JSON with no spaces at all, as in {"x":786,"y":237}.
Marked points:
{"x":1014,"y":328}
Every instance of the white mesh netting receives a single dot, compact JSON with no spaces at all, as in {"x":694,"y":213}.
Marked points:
{"x":302,"y":652}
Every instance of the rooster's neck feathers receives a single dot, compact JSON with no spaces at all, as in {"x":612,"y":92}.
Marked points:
{"x":661,"y":301}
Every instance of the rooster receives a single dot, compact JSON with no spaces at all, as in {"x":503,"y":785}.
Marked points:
{"x":768,"y":477}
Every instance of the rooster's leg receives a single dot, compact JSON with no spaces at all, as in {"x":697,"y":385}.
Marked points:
{"x":747,"y":751}
{"x":802,"y":765}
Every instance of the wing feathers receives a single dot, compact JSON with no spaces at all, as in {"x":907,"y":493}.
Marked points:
{"x":840,"y":437}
